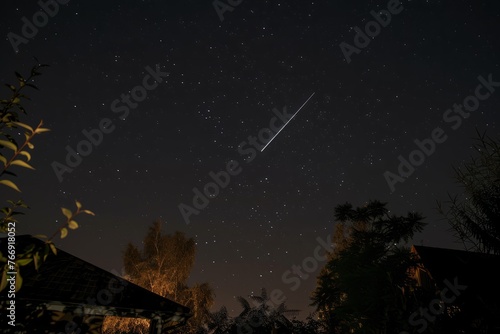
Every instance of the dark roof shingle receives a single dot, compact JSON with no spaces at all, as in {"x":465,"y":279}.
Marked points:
{"x":71,"y":281}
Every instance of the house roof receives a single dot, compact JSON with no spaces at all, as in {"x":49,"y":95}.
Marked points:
{"x":476,"y":270}
{"x":69,"y":281}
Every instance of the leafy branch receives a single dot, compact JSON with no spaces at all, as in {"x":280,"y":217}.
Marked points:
{"x":7,"y":113}
{"x":70,"y":220}
{"x":10,"y":212}
{"x":18,"y":152}
{"x":9,"y":119}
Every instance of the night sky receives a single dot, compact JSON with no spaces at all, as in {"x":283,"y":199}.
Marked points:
{"x":224,"y":80}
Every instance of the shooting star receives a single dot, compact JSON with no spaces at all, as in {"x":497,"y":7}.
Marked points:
{"x":269,"y":142}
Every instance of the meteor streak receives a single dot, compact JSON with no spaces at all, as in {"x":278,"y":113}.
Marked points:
{"x":269,"y":142}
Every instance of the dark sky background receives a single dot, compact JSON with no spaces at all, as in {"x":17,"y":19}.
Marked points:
{"x":224,"y":80}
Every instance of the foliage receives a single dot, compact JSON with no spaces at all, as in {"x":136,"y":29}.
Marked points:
{"x":263,"y":317}
{"x":219,"y":322}
{"x":310,"y":326}
{"x":14,"y":154}
{"x":10,"y":121}
{"x":475,"y":214}
{"x":365,"y":285}
{"x":163,"y":266}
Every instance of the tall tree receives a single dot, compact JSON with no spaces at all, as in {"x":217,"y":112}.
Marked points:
{"x":474,"y":215}
{"x":163,"y":266}
{"x":364,"y":285}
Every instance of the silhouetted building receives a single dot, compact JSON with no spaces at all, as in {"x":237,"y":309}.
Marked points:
{"x":68,"y":294}
{"x":462,"y":287}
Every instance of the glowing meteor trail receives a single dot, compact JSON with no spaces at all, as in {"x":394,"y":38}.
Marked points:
{"x":269,"y":142}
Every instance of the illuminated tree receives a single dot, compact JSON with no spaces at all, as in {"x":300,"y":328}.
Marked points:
{"x":163,"y":266}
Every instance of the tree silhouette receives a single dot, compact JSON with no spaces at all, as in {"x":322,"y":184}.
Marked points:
{"x":364,"y":286}
{"x":219,"y":322}
{"x":475,"y":214}
{"x":264,"y":316}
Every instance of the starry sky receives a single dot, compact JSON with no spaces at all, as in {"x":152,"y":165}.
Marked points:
{"x":220,"y":82}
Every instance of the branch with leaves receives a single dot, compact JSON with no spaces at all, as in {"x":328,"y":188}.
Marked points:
{"x":70,"y":220}
{"x":8,"y":112}
{"x":20,"y":156}
{"x":15,"y":160}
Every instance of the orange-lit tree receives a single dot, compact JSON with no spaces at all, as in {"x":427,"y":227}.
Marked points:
{"x":163,"y":266}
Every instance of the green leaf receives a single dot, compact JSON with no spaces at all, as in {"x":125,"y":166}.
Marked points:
{"x":30,"y":145}
{"x":53,"y":248}
{"x":26,"y":126}
{"x":10,"y":184}
{"x":36,"y":260}
{"x":16,"y":100}
{"x":78,"y":205}
{"x":9,"y":137}
{"x":12,"y":88}
{"x":19,"y":280}
{"x":19,"y":77}
{"x":22,"y":164}
{"x":67,"y":212}
{"x":29,"y":249}
{"x":3,"y":160}
{"x":88,"y":212}
{"x":26,"y":154}
{"x":23,"y":262}
{"x":41,"y":130}
{"x":21,"y":204}
{"x":73,"y":225}
{"x":47,"y":249}
{"x":64,"y":232}
{"x":8,"y":144}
